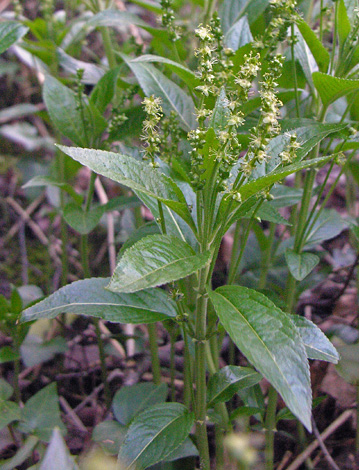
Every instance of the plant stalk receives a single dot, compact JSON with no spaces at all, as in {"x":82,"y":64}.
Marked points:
{"x":155,"y":361}
{"x":270,"y":427}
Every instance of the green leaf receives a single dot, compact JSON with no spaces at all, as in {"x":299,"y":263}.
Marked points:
{"x":91,"y":73}
{"x":239,"y":34}
{"x":270,"y":341}
{"x":41,"y":413}
{"x":80,"y":220}
{"x":309,"y":134}
{"x":153,"y":82}
{"x":34,"y":350}
{"x":221,"y":112}
{"x":21,"y":455}
{"x":9,"y":412}
{"x":328,"y":225}
{"x":89,"y":297}
{"x":6,"y":390}
{"x":317,"y":345}
{"x":320,"y":53}
{"x":110,"y":435}
{"x":57,"y":454}
{"x":227,"y":381}
{"x":154,"y":434}
{"x":137,"y":175}
{"x":114,"y":18}
{"x":348,"y":366}
{"x":285,"y":196}
{"x":186,"y":449}
{"x":10,"y":33}
{"x":304,"y":56}
{"x":43,"y":180}
{"x":62,"y":107}
{"x":153,"y":261}
{"x":343,"y":23}
{"x":7,"y":354}
{"x":301,"y":264}
{"x":255,"y":186}
{"x":183,"y":72}
{"x":104,"y":90}
{"x":268,"y":213}
{"x":231,"y":11}
{"x":128,"y":402}
{"x":332,"y":88}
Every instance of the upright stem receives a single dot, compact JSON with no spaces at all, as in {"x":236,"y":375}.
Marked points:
{"x":270,"y":426}
{"x":156,"y":368}
{"x":106,"y":39}
{"x":200,"y":369}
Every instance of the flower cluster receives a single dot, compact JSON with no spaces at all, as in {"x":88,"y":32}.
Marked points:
{"x":289,"y":154}
{"x":151,"y":135}
{"x":268,"y":126}
{"x":168,"y":18}
{"x":171,"y":136}
{"x":283,"y":15}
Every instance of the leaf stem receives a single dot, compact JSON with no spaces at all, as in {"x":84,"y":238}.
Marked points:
{"x":270,"y":427}
{"x":155,"y":361}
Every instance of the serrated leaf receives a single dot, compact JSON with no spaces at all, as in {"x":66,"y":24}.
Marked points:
{"x":255,"y":186}
{"x":268,"y":213}
{"x":57,"y":454}
{"x":328,"y":225}
{"x":43,"y":180}
{"x":41,"y":413}
{"x":320,"y":53}
{"x":227,"y":381}
{"x":110,"y":435}
{"x":89,"y":297}
{"x":270,"y":341}
{"x":332,"y":88}
{"x":153,"y":82}
{"x":186,"y":449}
{"x":128,"y":402}
{"x":9,"y":412}
{"x":10,"y":33}
{"x":343,"y":23}
{"x":153,"y":261}
{"x":301,"y":264}
{"x":34,"y":350}
{"x":114,"y":18}
{"x":239,"y":34}
{"x":137,"y":175}
{"x":155,"y":434}
{"x":304,"y":56}
{"x":183,"y":72}
{"x":80,"y":220}
{"x":317,"y":345}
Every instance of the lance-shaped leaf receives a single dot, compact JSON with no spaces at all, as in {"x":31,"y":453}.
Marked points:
{"x":135,"y":174}
{"x":255,"y":186}
{"x":155,"y":434}
{"x":228,"y":380}
{"x":300,"y":264}
{"x":183,"y":72}
{"x":57,"y":454}
{"x":153,"y":82}
{"x":331,"y":88}
{"x":89,"y":297}
{"x":317,"y":345}
{"x":270,"y":341}
{"x":320,"y":53}
{"x":11,"y":32}
{"x":153,"y":261}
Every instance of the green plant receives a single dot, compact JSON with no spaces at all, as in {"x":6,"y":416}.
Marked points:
{"x":213,"y":158}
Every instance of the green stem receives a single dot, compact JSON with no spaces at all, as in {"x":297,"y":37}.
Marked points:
{"x":270,"y":423}
{"x":297,"y":107}
{"x":267,"y":257}
{"x":60,"y":167}
{"x":101,"y":349}
{"x":321,"y":22}
{"x":188,"y":394}
{"x":172,"y":364}
{"x":17,"y":365}
{"x":156,"y":368}
{"x":106,"y":39}
{"x":332,"y":58}
{"x":200,"y":369}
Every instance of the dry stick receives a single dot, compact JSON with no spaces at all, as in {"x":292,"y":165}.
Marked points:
{"x":101,"y":193}
{"x":311,"y":448}
{"x":72,"y":415}
{"x":30,"y":209}
{"x":325,"y":451}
